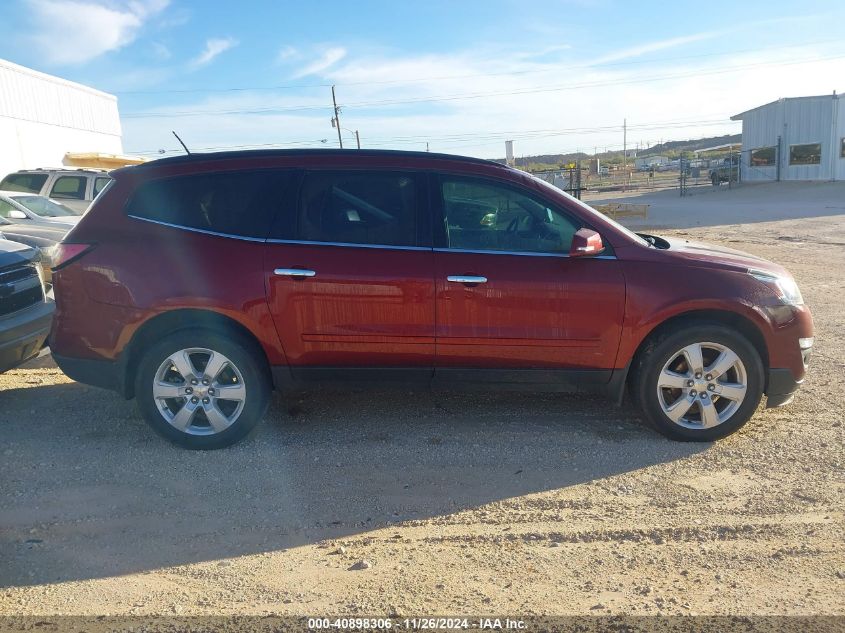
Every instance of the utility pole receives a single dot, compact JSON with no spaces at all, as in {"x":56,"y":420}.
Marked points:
{"x":357,"y":139}
{"x":336,"y":119}
{"x":624,"y":143}
{"x":426,"y":146}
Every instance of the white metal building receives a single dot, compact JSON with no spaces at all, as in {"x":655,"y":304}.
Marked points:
{"x":794,"y":139}
{"x":645,"y":162}
{"x":43,"y":117}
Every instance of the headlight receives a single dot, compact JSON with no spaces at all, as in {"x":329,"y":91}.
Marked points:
{"x":786,"y":288}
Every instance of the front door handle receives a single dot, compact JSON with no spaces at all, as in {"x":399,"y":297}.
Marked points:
{"x":466,"y":279}
{"x":294,"y":272}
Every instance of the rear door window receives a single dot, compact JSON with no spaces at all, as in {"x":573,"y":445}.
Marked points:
{"x":69,"y":188}
{"x":28,"y":183}
{"x":240,"y":204}
{"x":359,"y":207}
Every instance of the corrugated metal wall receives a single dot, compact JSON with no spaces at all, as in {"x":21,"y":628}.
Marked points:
{"x":797,"y":121}
{"x":43,"y":117}
{"x":33,"y":96}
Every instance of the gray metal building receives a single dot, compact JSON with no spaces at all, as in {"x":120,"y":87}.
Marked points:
{"x":802,"y":138}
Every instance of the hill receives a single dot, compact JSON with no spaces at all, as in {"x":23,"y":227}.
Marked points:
{"x":672,"y":149}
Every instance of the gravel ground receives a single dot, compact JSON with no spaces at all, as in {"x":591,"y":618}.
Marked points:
{"x":460,"y":504}
{"x":747,"y":203}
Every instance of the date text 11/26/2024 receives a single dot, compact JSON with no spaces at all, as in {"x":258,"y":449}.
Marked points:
{"x":417,"y":624}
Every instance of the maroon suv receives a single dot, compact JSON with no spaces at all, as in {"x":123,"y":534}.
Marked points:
{"x":198,"y":284}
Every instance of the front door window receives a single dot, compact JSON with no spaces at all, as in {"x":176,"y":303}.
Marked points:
{"x":491,"y":217}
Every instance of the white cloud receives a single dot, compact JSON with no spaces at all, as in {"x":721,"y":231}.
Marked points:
{"x":160,"y":51}
{"x":684,"y":98}
{"x":652,"y":47}
{"x":329,"y":58}
{"x":213,"y":47}
{"x":77,"y":31}
{"x":285,"y":53}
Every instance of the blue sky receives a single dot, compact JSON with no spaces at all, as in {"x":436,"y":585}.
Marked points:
{"x":462,"y":76}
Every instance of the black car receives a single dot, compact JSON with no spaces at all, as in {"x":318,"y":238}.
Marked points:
{"x":25,"y":313}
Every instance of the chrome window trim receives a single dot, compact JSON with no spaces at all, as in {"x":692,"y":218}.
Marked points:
{"x":351,"y":245}
{"x":193,"y":230}
{"x":521,"y":253}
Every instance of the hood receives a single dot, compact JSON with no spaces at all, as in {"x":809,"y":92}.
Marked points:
{"x":14,"y":253}
{"x":70,"y":220}
{"x":720,"y":256}
{"x":47,"y":232}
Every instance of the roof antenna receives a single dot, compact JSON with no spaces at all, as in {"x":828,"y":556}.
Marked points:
{"x":187,"y":151}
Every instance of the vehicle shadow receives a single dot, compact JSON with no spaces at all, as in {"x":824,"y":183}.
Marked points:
{"x":90,"y":491}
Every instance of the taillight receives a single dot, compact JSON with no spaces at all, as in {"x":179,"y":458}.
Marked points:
{"x":63,"y":254}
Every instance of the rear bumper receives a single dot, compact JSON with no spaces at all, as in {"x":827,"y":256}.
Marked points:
{"x":23,"y":334}
{"x":781,"y":387}
{"x":98,"y":373}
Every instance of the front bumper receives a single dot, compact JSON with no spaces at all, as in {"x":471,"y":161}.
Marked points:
{"x":24,"y":333}
{"x":780,"y":388}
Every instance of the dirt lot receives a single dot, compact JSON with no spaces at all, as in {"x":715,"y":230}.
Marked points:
{"x":474,"y":503}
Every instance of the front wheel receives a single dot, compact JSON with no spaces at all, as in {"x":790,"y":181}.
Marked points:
{"x":700,"y":383}
{"x":202,"y":389}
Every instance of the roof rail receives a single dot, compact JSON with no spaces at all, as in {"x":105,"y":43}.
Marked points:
{"x":269,"y":153}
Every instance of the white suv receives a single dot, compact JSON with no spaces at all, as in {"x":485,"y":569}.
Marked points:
{"x":75,"y":188}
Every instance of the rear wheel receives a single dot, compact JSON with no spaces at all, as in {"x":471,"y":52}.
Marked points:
{"x":202,"y":389}
{"x":701,"y":383}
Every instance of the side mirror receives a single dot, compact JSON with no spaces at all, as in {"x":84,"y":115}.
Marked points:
{"x":17,"y":214}
{"x":585,"y":242}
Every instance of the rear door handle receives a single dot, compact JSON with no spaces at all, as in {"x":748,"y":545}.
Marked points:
{"x":466,"y":279}
{"x":294,"y":272}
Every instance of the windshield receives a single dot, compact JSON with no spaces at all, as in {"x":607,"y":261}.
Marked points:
{"x":44,"y":207}
{"x":591,"y":210}
{"x":30,"y":183}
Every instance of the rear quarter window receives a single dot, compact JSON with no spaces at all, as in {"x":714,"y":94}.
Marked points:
{"x":99,"y":185}
{"x":240,"y":204}
{"x":27,"y":183}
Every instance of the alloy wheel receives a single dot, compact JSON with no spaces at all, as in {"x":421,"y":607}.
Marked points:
{"x":199,"y":391}
{"x":702,"y":385}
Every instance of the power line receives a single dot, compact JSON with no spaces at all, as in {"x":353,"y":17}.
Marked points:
{"x":712,"y":118}
{"x":533,"y":136}
{"x":458,"y":140}
{"x":478,"y":95}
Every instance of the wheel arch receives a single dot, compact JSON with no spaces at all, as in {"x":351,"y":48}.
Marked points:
{"x":173,"y":321}
{"x":745,"y":326}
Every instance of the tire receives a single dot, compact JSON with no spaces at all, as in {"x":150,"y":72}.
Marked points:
{"x":663,"y":373}
{"x":185,"y":405}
